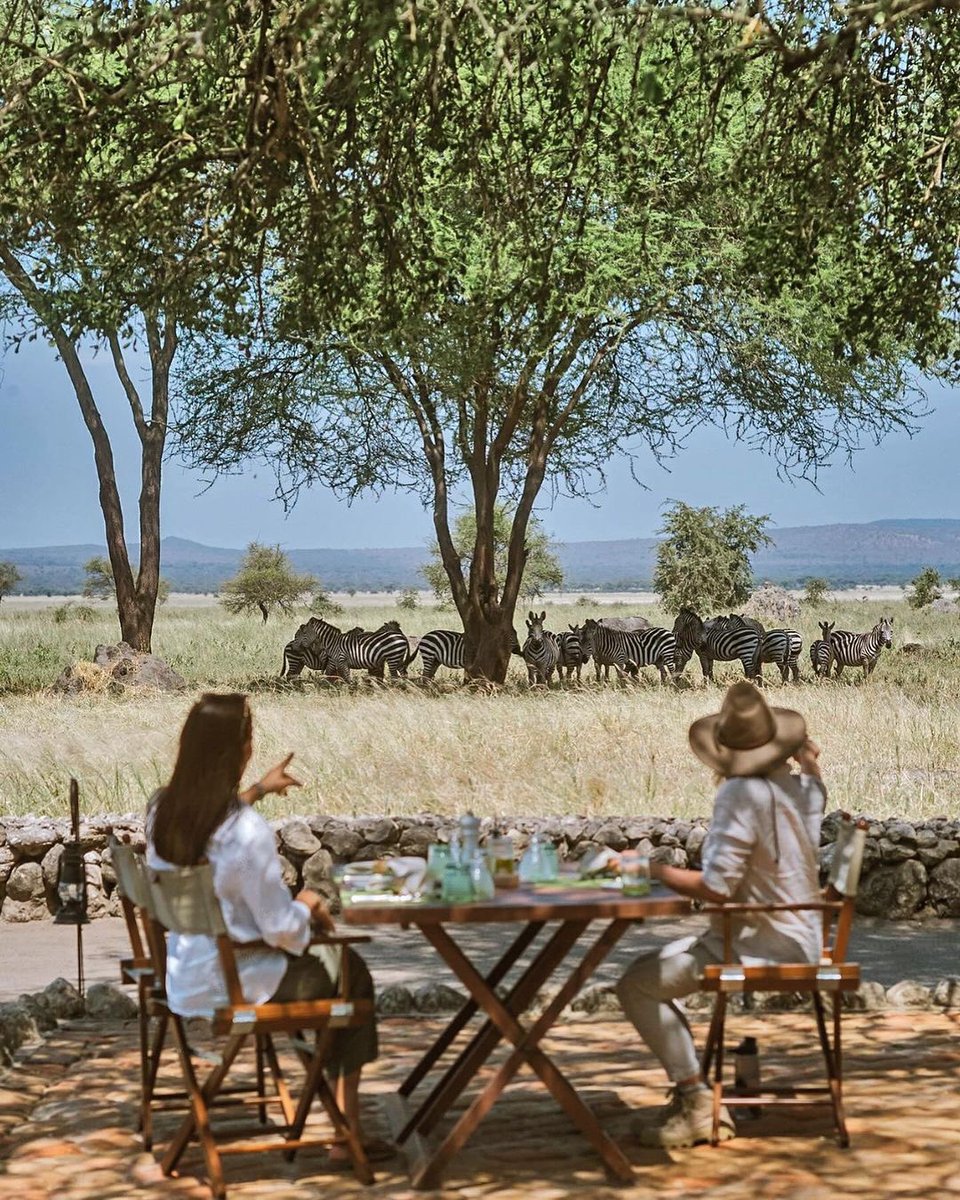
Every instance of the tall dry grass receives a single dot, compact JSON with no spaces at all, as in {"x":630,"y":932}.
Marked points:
{"x":891,"y":745}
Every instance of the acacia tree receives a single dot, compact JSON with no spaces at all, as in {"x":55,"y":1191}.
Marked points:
{"x":597,"y":292}
{"x":495,"y":245}
{"x":266,"y":580}
{"x":703,"y":560}
{"x":78,"y":270}
{"x":9,"y":578}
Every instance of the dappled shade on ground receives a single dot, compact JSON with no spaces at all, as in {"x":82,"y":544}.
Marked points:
{"x":67,"y":1117}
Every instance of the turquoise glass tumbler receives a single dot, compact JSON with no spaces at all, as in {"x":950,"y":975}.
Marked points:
{"x":457,"y":884}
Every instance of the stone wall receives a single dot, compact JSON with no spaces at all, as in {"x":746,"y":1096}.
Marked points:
{"x":910,"y":869}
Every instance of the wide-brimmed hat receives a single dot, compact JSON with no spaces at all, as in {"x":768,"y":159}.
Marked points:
{"x":747,"y":736}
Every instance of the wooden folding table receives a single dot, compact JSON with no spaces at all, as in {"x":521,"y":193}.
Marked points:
{"x":572,"y":909}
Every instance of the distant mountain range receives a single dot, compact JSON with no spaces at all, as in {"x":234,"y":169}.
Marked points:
{"x":879,"y":552}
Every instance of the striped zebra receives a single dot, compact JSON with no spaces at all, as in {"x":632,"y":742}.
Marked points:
{"x":820,"y":649}
{"x":324,"y":647}
{"x":780,"y":646}
{"x":859,"y":649}
{"x":572,"y":653}
{"x":717,"y":640}
{"x":440,"y":648}
{"x":628,"y":652}
{"x":541,"y":651}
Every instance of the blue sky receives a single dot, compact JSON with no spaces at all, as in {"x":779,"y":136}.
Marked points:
{"x":48,"y":486}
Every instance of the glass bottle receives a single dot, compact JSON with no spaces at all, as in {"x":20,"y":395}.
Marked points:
{"x":480,"y":877}
{"x":532,"y":866}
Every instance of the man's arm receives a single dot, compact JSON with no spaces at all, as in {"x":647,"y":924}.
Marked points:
{"x":686,"y":882}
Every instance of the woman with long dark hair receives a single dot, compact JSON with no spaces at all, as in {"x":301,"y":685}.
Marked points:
{"x":201,"y":815}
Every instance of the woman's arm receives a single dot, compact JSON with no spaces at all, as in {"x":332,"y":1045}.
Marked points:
{"x":686,"y":882}
{"x":277,"y":779}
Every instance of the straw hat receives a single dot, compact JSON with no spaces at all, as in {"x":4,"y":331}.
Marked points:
{"x":747,"y":736}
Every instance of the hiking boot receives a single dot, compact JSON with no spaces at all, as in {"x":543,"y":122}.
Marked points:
{"x":691,"y":1124}
{"x":659,"y":1116}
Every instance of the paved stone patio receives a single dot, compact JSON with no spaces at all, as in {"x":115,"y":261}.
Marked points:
{"x":67,"y":1114}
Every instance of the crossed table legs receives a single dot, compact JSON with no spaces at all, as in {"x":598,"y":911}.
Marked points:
{"x":503,"y":1024}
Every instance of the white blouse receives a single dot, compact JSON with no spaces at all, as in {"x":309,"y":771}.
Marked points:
{"x":256,"y":906}
{"x":762,"y":848}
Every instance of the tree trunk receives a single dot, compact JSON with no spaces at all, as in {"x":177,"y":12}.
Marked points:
{"x":264,"y":611}
{"x":489,"y":644}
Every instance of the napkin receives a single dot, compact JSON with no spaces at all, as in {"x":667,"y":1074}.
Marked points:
{"x":407,"y":871}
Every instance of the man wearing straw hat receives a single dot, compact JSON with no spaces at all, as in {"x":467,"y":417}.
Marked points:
{"x":761,"y":849}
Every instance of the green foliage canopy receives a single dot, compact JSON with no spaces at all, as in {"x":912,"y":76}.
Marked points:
{"x":266,"y":581}
{"x":9,"y":577}
{"x":703,"y":561}
{"x":814,"y":590}
{"x":541,"y":570}
{"x":925,"y":588}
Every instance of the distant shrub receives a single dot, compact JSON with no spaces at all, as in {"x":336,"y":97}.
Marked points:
{"x":925,"y":588}
{"x":324,"y":606}
{"x":83,"y":612}
{"x":585,"y":602}
{"x":814,"y":591}
{"x":62,"y":613}
{"x":409,"y":598}
{"x":73,"y":612}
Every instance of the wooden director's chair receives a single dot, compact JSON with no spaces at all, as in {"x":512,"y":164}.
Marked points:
{"x":833,"y":975}
{"x":183,"y":901}
{"x":147,"y":950}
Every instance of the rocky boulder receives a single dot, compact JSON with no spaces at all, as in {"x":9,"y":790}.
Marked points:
{"x":894,"y":892}
{"x":106,"y":1002}
{"x":120,"y":668}
{"x":945,"y":888}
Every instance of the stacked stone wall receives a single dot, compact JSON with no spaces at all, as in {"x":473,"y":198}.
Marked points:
{"x":911,"y":869}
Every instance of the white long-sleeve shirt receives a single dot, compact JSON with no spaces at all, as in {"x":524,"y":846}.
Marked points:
{"x":256,"y":906}
{"x":762,"y":849}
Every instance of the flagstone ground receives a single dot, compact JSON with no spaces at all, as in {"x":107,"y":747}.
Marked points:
{"x":67,"y":1116}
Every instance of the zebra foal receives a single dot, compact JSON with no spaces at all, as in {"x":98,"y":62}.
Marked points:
{"x":572,"y":652}
{"x":820,"y":649}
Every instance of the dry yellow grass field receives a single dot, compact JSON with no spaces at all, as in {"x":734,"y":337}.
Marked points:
{"x":890,"y":745}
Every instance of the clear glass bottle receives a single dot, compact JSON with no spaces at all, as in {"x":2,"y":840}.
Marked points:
{"x":480,"y":877}
{"x":469,"y":836}
{"x":551,"y":862}
{"x":503,"y":860}
{"x":532,"y":865}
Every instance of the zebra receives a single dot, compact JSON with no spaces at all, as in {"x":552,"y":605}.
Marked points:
{"x":318,"y":642}
{"x":780,"y":646}
{"x":541,"y":651}
{"x":572,"y":653}
{"x":718,"y":640}
{"x":859,"y":649}
{"x":440,"y":648}
{"x":651,"y":647}
{"x":820,"y":649}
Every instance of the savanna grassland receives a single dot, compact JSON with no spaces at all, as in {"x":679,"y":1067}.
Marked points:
{"x":891,"y":745}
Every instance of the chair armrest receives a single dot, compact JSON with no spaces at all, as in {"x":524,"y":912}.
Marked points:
{"x":340,"y":939}
{"x":812,"y":906}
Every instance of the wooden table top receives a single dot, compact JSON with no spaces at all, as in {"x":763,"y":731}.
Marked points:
{"x":545,"y":902}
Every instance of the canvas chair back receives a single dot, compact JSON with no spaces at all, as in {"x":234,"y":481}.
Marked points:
{"x":184,"y":901}
{"x":843,"y":881}
{"x":134,"y":893}
{"x":847,"y":862}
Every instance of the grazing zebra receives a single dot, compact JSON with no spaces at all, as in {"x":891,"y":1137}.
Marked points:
{"x":718,"y":640}
{"x":572,"y":653}
{"x":780,"y":646}
{"x":820,"y":649}
{"x":440,"y":648}
{"x":541,"y":652}
{"x":651,"y":647}
{"x":318,"y":642}
{"x":859,"y":649}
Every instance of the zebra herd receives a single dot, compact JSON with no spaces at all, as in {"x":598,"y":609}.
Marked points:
{"x":627,"y":645}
